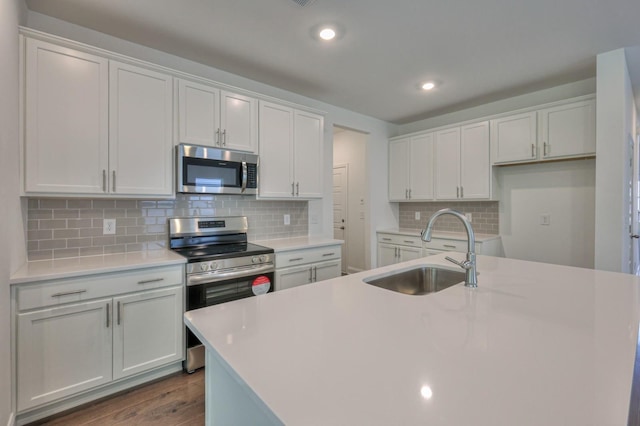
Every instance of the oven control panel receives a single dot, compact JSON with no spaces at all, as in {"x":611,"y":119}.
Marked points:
{"x":213,"y":266}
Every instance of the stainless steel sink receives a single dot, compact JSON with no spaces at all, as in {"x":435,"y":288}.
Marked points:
{"x":418,"y":280}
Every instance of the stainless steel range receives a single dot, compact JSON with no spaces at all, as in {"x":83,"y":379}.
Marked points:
{"x":221,"y":266}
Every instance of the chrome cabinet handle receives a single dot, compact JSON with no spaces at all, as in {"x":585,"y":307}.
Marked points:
{"x":224,"y":137}
{"x":533,"y":150}
{"x":315,"y":273}
{"x":114,"y":181}
{"x":328,"y":254}
{"x":449,"y":246}
{"x":544,"y":149}
{"x":108,"y":310}
{"x":311,"y":274}
{"x":119,"y":313}
{"x":297,"y":189}
{"x":218,"y":137}
{"x":292,"y":189}
{"x":406,"y":193}
{"x":457,"y":192}
{"x":104,"y":180}
{"x":386,"y":239}
{"x":409,"y":242}
{"x":409,"y":193}
{"x":296,"y":259}
{"x":462,"y":192}
{"x":68,"y":293}
{"x":153,"y":280}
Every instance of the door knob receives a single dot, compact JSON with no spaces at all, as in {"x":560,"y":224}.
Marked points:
{"x":342,"y":227}
{"x":635,"y":236}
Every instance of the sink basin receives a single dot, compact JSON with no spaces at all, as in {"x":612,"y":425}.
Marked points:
{"x":417,"y":281}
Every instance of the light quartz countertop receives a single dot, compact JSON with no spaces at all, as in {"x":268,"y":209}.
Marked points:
{"x":534,"y":344}
{"x":297,"y":243}
{"x":440,"y":234}
{"x":39,"y":270}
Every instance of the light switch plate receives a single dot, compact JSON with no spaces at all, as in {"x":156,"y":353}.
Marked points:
{"x":287,"y":219}
{"x":469,"y":217}
{"x":417,"y":215}
{"x":545,"y":219}
{"x":108,"y":226}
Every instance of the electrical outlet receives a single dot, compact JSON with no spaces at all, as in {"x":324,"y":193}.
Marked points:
{"x":108,"y":226}
{"x":417,"y":215}
{"x":545,"y":219}
{"x":287,"y":219}
{"x":469,"y":217}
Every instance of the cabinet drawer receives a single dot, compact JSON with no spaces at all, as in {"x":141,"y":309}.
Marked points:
{"x":449,"y":245}
{"x":58,"y":292}
{"x":301,"y":257}
{"x":403,"y":240}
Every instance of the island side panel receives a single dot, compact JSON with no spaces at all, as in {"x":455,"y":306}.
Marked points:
{"x":229,"y":401}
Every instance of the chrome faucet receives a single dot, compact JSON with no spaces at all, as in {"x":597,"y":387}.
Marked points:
{"x":468,"y":265}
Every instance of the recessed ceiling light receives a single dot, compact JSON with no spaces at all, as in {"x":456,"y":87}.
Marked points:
{"x":327,"y":33}
{"x":429,"y":85}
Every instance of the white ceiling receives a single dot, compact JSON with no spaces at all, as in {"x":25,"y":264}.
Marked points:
{"x":477,"y":50}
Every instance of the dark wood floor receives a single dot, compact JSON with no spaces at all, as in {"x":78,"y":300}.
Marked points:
{"x":176,"y":400}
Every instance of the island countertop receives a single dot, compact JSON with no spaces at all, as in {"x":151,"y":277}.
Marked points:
{"x":534,"y":344}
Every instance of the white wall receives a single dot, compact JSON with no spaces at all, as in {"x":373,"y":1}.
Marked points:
{"x":614,"y":126}
{"x":566,"y":192}
{"x":12,"y":252}
{"x":350,"y":148}
{"x":381,"y":214}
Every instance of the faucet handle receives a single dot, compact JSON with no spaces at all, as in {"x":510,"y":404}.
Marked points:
{"x":464,"y":264}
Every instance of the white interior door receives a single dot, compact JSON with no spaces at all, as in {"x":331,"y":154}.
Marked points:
{"x":634,"y":207}
{"x":340,"y":174}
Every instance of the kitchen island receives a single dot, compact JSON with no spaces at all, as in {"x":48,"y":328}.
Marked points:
{"x":534,"y":344}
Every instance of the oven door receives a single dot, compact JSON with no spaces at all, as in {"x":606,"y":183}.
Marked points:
{"x":215,"y":171}
{"x":213,"y":293}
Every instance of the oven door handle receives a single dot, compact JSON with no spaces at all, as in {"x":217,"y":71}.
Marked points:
{"x":209,"y":277}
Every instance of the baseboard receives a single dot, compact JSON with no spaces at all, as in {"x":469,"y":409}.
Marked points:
{"x":12,"y":420}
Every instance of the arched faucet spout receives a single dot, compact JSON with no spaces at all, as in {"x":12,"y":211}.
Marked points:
{"x":470,"y":264}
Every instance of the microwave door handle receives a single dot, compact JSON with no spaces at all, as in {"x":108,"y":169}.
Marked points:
{"x":244,"y":176}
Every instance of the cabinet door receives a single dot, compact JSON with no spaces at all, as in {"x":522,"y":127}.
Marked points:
{"x":140,"y":146}
{"x":475,"y":165}
{"x":148,"y":330}
{"x":276,"y":151}
{"x":568,"y":130}
{"x":238,"y":122}
{"x":327,"y":270}
{"x":513,"y":138}
{"x":399,"y":170}
{"x":409,"y":253}
{"x":66,"y":120}
{"x":420,"y":167}
{"x":308,"y":144}
{"x":198,"y":114}
{"x":63,"y":351}
{"x":387,"y":254}
{"x":447,"y":164}
{"x":293,"y":277}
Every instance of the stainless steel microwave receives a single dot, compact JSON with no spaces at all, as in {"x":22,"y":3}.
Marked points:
{"x":206,"y":170}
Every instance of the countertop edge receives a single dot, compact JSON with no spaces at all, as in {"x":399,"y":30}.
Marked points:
{"x":446,"y":235}
{"x":297,"y":243}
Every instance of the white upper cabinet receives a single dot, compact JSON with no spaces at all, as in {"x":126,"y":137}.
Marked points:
{"x":513,"y":138}
{"x":563,"y":130}
{"x":94,"y":126}
{"x":212,"y":117}
{"x":568,"y":130}
{"x":66,"y":120}
{"x":140,"y":144}
{"x":462,"y":165}
{"x":290,"y":152}
{"x":307,"y":154}
{"x":411,"y":168}
{"x":475,"y":164}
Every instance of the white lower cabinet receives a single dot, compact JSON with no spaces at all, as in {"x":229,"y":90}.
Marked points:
{"x":307,"y":266}
{"x":62,"y":351}
{"x":148,"y":330}
{"x":394,"y":249}
{"x":72,"y":336}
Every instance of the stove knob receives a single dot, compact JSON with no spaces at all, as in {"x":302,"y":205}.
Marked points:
{"x":263,"y":258}
{"x":213,"y":266}
{"x":204,"y":266}
{"x":255,"y":259}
